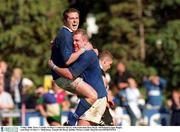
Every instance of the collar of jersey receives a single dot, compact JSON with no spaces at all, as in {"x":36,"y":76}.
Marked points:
{"x":68,"y":29}
{"x":100,"y":66}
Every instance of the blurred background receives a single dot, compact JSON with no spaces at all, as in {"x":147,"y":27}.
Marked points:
{"x":144,"y":35}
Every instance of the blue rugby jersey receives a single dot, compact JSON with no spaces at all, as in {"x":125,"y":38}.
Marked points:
{"x":88,"y":67}
{"x":154,"y":92}
{"x":62,"y":49}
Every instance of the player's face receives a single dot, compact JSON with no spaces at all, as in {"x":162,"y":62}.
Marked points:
{"x":73,"y":21}
{"x":78,"y":41}
{"x":107,"y":65}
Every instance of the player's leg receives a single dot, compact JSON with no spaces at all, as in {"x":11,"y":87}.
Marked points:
{"x":83,"y":89}
{"x":95,"y":113}
{"x":89,"y":97}
{"x":79,"y":87}
{"x":85,"y":123}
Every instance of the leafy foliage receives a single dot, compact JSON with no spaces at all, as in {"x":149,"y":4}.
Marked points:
{"x":119,"y":33}
{"x":26,"y":28}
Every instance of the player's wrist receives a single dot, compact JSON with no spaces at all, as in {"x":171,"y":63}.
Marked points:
{"x":53,"y":67}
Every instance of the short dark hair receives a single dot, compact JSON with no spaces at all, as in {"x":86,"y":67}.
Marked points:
{"x":67,"y":11}
{"x":81,"y":31}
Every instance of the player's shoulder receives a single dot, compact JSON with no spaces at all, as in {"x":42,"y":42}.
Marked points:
{"x":90,"y":53}
{"x":64,"y":33}
{"x":64,"y":30}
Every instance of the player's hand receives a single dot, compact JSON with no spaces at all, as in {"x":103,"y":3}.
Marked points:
{"x":51,"y":43}
{"x":96,"y":51}
{"x":111,"y":104}
{"x":50,"y":64}
{"x":88,"y":46}
{"x":110,"y":100}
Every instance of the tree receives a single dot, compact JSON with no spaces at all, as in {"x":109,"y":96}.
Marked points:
{"x":119,"y":32}
{"x":26,"y":29}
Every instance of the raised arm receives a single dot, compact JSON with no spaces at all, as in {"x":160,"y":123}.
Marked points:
{"x":78,"y":51}
{"x":74,"y":56}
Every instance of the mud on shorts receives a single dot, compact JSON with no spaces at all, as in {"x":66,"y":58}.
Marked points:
{"x":68,"y":85}
{"x":96,"y":111}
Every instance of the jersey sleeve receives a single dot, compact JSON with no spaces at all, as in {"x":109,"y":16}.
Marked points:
{"x":86,"y":59}
{"x":65,"y":41}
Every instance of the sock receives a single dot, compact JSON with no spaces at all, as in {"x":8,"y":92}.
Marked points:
{"x":82,"y":107}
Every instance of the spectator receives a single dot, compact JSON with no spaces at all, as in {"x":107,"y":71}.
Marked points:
{"x":154,"y":88}
{"x":28,"y":96}
{"x":16,"y":86}
{"x":7,"y":75}
{"x":122,"y":76}
{"x":48,"y":106}
{"x":19,"y":86}
{"x":117,"y":110}
{"x":121,"y":82}
{"x":175,"y":117}
{"x":6,"y":101}
{"x":61,"y":97}
{"x":133,"y":96}
{"x":120,"y":97}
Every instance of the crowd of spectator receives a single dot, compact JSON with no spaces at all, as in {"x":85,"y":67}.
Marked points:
{"x":128,"y":94}
{"x":124,"y":90}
